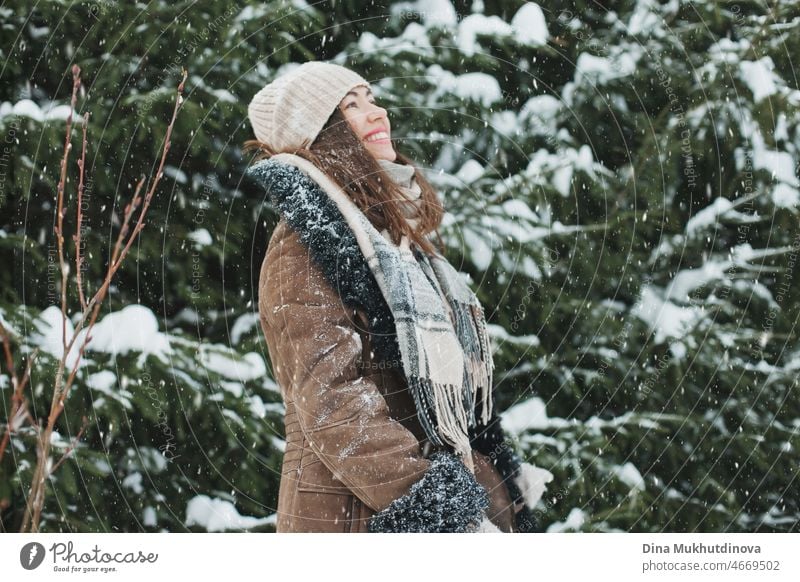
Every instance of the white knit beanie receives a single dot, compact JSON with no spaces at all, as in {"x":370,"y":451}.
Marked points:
{"x":289,"y":112}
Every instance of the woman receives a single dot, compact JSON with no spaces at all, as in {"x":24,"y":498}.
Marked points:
{"x":379,"y":348}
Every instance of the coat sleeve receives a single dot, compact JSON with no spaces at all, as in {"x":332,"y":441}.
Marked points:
{"x":317,"y":351}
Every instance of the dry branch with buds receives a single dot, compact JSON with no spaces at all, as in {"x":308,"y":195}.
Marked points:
{"x":89,"y":310}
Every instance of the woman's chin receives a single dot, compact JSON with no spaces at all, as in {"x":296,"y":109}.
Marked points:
{"x":382,"y":152}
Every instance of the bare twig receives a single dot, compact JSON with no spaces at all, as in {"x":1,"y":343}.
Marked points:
{"x":119,"y":256}
{"x":89,"y":310}
{"x":71,"y":446}
{"x":59,"y":230}
{"x":36,"y":497}
{"x":77,"y":236}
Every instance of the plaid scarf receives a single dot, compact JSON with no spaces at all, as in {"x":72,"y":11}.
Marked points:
{"x":441,"y":329}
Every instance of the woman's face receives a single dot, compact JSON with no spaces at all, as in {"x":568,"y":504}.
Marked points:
{"x":369,"y":122}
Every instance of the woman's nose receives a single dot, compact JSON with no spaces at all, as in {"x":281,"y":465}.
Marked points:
{"x":377,"y":112}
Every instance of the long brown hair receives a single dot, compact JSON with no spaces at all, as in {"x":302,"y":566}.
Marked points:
{"x":340,"y":153}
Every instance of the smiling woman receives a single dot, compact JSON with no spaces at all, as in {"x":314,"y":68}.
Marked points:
{"x":378,"y":345}
{"x":343,"y":139}
{"x":369,"y":122}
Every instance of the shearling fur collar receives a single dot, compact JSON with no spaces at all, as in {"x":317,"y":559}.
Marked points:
{"x":302,"y":203}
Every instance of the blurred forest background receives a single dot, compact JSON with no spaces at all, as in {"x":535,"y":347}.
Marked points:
{"x":621,"y":181}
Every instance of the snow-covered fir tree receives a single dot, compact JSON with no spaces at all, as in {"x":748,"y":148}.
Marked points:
{"x":622,"y":189}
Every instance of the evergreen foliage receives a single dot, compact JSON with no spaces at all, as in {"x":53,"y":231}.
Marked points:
{"x":624,"y":194}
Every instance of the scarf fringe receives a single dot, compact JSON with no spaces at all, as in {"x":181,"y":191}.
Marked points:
{"x":450,"y":427}
{"x":478,"y":360}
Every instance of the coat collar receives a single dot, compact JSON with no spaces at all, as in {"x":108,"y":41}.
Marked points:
{"x":307,"y":210}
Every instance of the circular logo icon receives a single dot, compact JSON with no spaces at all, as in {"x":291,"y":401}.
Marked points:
{"x":31,"y":555}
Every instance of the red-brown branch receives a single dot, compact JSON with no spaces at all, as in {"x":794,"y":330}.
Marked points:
{"x":117,"y":258}
{"x":72,"y":445}
{"x":60,"y":205}
{"x":90,"y":310}
{"x":78,"y":255}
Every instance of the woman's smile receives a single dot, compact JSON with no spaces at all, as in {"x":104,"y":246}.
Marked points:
{"x":377,"y":136}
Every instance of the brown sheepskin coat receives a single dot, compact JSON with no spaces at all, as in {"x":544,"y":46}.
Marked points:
{"x":353,"y":441}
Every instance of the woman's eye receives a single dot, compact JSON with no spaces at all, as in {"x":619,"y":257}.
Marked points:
{"x":355,"y":104}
